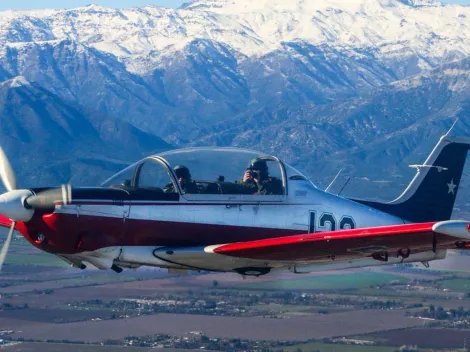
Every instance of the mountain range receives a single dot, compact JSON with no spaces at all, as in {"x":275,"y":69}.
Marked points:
{"x":365,"y":85}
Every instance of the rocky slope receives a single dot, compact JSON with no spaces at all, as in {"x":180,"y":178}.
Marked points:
{"x":52,"y":142}
{"x":368,"y":85}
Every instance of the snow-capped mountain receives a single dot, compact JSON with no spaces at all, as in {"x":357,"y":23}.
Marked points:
{"x":322,"y":83}
{"x":142,"y":37}
{"x":216,"y":57}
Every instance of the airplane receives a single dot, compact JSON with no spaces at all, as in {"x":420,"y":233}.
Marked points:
{"x":129,"y":221}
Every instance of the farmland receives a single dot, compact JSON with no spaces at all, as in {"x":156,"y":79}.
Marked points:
{"x":329,"y":282}
{"x":427,"y":338}
{"x":60,"y":347}
{"x":293,"y":329}
{"x":50,"y":303}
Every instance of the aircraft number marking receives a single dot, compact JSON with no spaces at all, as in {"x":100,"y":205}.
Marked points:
{"x":347,"y":223}
{"x":325,"y":220}
{"x":328,"y":222}
{"x":311,"y":223}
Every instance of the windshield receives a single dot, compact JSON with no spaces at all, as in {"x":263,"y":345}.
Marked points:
{"x":205,"y":171}
{"x":223,"y":170}
{"x":295,"y":175}
{"x":149,"y":174}
{"x":122,"y":178}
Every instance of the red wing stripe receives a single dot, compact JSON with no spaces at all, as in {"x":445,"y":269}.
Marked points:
{"x":327,"y":236}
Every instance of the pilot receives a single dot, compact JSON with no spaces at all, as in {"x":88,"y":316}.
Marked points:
{"x":257,"y":178}
{"x":184,"y":179}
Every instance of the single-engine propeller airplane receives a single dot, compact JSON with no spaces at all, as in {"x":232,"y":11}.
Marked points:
{"x":132,"y":220}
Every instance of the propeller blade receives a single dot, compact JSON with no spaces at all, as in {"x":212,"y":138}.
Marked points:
{"x":6,"y":245}
{"x":47,"y":199}
{"x":6,"y":172}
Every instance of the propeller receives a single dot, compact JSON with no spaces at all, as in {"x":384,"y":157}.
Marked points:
{"x":9,"y":181}
{"x":6,"y":245}
{"x":6,"y":172}
{"x":19,"y":205}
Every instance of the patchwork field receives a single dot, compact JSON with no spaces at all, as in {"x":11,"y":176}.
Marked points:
{"x":460,"y":285}
{"x":56,"y":347}
{"x":427,"y":338}
{"x":291,"y":329}
{"x":324,"y":347}
{"x":44,"y":299}
{"x":343,"y":281}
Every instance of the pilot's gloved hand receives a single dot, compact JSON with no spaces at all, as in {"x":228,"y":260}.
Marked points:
{"x":247,"y":176}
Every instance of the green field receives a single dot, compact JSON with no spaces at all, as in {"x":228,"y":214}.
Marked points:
{"x":35,"y":259}
{"x":273,"y":307}
{"x":21,"y":252}
{"x":330,"y":282}
{"x":376,"y":292}
{"x":97,"y":280}
{"x":459,"y":285}
{"x":327,"y":347}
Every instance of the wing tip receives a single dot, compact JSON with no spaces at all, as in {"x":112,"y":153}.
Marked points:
{"x":453,"y":228}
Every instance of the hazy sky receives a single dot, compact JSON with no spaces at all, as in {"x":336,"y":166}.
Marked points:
{"x":28,"y":4}
{"x":59,"y":4}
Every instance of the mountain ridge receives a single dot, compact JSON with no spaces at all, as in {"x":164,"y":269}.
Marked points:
{"x":46,"y":138}
{"x":141,"y":37}
{"x":363,"y":85}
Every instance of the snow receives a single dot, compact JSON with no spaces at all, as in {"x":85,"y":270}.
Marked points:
{"x":15,"y":82}
{"x":252,"y":28}
{"x":418,"y":3}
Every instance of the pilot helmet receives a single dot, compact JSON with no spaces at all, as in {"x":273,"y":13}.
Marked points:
{"x":258,"y":164}
{"x":182,"y":171}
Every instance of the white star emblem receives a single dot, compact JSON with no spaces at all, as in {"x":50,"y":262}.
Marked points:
{"x":452,"y":187}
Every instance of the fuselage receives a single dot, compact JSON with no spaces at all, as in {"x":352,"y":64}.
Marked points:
{"x":146,"y":215}
{"x":100,"y":217}
{"x":133,"y":216}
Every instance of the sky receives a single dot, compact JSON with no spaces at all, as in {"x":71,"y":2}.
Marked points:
{"x":41,"y":4}
{"x":60,"y":4}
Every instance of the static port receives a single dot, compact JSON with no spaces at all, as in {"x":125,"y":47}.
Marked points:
{"x":41,"y":238}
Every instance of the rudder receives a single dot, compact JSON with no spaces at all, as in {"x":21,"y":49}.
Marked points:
{"x":431,"y":194}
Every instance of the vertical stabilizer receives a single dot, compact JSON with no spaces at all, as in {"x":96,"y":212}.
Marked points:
{"x":431,"y":194}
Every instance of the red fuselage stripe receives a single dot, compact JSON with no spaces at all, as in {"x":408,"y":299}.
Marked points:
{"x":131,"y":203}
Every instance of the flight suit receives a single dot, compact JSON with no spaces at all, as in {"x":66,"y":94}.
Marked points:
{"x":267,"y":186}
{"x":187,"y":187}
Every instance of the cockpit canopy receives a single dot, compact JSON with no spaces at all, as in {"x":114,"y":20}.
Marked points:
{"x":207,"y":171}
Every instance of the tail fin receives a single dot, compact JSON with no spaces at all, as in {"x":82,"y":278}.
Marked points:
{"x":431,"y":194}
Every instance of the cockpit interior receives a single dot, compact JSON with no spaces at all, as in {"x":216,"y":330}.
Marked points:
{"x":204,"y":172}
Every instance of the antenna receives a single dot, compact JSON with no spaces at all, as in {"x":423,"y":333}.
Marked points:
{"x":452,"y":127}
{"x":439,"y":168}
{"x":332,"y":182}
{"x":419,"y":167}
{"x":344,"y":186}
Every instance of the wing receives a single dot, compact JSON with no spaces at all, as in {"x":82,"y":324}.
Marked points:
{"x":346,"y":244}
{"x":354,"y":248}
